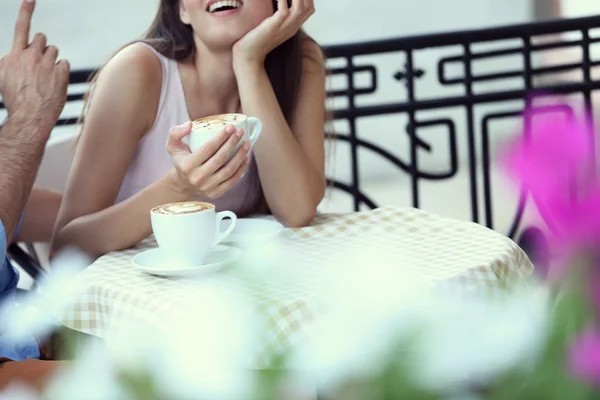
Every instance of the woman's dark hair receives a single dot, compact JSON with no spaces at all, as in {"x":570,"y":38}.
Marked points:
{"x":175,"y":40}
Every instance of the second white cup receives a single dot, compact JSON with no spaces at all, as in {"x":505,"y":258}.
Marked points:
{"x":187,"y":232}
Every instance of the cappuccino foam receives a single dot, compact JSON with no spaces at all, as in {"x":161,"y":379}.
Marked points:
{"x":217,"y":122}
{"x":182,"y":208}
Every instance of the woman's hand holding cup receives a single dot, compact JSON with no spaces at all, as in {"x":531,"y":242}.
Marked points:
{"x":211,"y":170}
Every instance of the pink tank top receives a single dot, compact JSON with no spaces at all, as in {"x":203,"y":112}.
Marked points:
{"x":151,"y":160}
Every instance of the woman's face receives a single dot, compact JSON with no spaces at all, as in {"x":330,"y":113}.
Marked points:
{"x":220,"y":23}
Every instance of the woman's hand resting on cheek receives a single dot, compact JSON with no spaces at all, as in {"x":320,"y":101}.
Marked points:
{"x":273,"y":31}
{"x":206,"y":172}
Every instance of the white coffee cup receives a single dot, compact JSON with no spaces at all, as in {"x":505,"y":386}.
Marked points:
{"x":204,"y":129}
{"x":186,"y":232}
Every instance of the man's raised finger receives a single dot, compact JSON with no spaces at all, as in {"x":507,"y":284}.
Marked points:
{"x":22,"y":27}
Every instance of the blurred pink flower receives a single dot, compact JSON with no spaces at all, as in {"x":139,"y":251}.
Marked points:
{"x":593,"y":286}
{"x":584,"y":357}
{"x":554,"y":162}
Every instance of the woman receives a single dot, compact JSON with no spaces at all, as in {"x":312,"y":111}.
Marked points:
{"x":200,"y":58}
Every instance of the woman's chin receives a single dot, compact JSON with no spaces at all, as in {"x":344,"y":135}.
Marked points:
{"x":220,"y":41}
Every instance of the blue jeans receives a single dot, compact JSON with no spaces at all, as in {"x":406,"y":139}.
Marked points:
{"x":19,"y":350}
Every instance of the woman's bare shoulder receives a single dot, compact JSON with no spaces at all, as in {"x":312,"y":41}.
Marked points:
{"x":135,"y":64}
{"x":129,"y":84}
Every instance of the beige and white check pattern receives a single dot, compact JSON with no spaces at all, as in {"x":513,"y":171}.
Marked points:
{"x":440,"y":252}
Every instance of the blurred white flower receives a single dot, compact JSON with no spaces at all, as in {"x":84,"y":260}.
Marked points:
{"x":368,"y":301}
{"x":18,"y":391}
{"x":204,"y":351}
{"x":135,"y":346}
{"x":32,"y":314}
{"x":372,"y":304}
{"x":92,"y":376}
{"x":262,"y":257}
{"x":470,"y":342}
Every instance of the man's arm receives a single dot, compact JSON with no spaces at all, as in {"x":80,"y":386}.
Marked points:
{"x":39,"y":216}
{"x":19,"y":163}
{"x":33,"y":87}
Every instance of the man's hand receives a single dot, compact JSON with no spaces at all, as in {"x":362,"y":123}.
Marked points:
{"x":34,"y":89}
{"x":32,"y":84}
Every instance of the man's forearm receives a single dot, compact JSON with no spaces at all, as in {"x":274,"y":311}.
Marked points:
{"x":22,"y":145}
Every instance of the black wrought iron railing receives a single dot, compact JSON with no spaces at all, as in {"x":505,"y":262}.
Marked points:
{"x":454,"y":66}
{"x":526,"y":41}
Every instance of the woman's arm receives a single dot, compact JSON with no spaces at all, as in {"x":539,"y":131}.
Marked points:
{"x":122,"y":110}
{"x":290,"y":158}
{"x":39,"y":216}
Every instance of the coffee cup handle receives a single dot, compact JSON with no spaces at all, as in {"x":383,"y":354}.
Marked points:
{"x":255,"y":125}
{"x":220,"y":236}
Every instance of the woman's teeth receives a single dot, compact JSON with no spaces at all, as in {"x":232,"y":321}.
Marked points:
{"x":224,"y":5}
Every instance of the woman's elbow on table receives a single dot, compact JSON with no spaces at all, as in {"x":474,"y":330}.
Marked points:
{"x":299,"y":218}
{"x":303,"y":210}
{"x":94,"y":244}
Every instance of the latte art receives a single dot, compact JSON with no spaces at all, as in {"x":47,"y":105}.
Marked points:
{"x":182,"y":208}
{"x":204,"y":129}
{"x":217,"y":122}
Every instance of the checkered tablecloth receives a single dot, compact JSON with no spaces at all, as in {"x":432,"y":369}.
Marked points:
{"x":437,"y":251}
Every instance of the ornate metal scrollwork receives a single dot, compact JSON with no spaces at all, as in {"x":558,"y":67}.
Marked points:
{"x":477,"y":133}
{"x":407,"y":73}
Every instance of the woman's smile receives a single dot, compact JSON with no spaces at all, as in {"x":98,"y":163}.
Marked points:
{"x":224,"y":7}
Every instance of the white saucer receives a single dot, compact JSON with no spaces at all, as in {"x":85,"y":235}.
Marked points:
{"x":152,"y":262}
{"x":252,"y":229}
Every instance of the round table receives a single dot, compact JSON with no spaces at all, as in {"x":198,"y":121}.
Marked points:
{"x":439,"y":252}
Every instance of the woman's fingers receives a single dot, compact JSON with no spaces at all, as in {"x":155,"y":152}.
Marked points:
{"x":299,"y":12}
{"x":309,"y":8}
{"x":222,"y":155}
{"x":177,"y":133}
{"x":282,"y":12}
{"x":228,"y":184}
{"x":201,"y":157}
{"x":178,"y":150}
{"x":282,"y":5}
{"x":210,"y":169}
{"x":229,"y":169}
{"x":305,"y":10}
{"x":297,"y":6}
